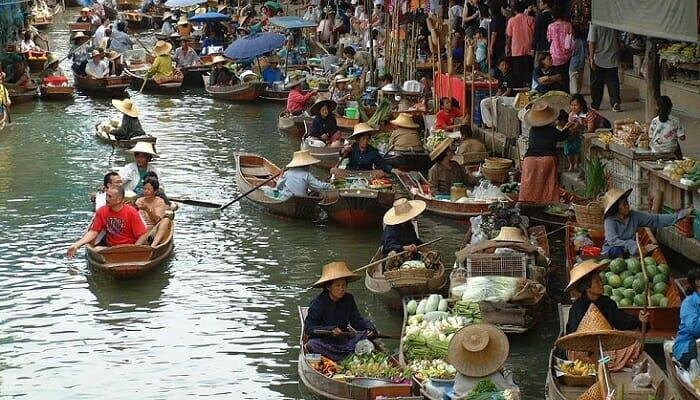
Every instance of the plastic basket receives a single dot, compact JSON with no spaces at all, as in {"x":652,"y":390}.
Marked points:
{"x":513,"y":265}
{"x":351,"y":112}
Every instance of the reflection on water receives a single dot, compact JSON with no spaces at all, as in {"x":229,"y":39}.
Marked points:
{"x":220,"y":318}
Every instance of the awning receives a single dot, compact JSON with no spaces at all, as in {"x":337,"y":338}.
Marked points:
{"x":292,"y":22}
{"x":666,"y":19}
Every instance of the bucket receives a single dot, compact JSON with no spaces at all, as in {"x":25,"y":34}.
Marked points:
{"x":351,"y":104}
{"x":351,"y":112}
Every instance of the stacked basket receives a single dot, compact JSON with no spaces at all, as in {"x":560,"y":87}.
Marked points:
{"x":495,"y":169}
{"x":589,"y":215}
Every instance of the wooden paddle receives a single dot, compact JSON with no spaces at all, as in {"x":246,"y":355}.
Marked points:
{"x":321,"y":332}
{"x":646,"y":287}
{"x":252,"y":190}
{"x":70,"y":53}
{"x":198,"y":203}
{"x":395,"y":255}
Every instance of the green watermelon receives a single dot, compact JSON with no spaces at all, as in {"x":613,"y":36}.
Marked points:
{"x":656,"y":299}
{"x":651,"y":270}
{"x":633,"y":265}
{"x":638,"y":285}
{"x":627,"y":282}
{"x":649,"y":261}
{"x":615,"y":281}
{"x":625,"y":274}
{"x":617,"y":292}
{"x":661,"y":287}
{"x":607,"y":289}
{"x":659,"y":278}
{"x":640,"y":300}
{"x":616,"y":298}
{"x":664,"y":268}
{"x":608,"y":274}
{"x":629,"y":293}
{"x":618,"y":265}
{"x":663,"y":302}
{"x":625,"y":302}
{"x":603,"y":278}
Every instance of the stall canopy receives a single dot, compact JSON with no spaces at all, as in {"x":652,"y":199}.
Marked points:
{"x":667,"y":19}
{"x":292,"y":22}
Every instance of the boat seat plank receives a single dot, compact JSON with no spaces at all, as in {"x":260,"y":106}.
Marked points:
{"x":130,"y":253}
{"x":255,"y":171}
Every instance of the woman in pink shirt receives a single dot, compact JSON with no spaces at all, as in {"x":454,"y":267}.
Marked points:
{"x":560,"y":34}
{"x":297,"y":100}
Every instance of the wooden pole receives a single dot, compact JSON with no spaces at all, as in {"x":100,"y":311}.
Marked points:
{"x":653,"y":78}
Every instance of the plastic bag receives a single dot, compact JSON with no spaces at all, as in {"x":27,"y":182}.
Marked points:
{"x":364,"y":346}
{"x":487,"y":191}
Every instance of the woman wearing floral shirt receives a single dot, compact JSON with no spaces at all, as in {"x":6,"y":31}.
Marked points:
{"x":665,"y":130}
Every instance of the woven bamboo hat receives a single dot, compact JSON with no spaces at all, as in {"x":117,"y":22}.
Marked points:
{"x":95,"y":53}
{"x":162,"y":47}
{"x":440,"y":148}
{"x":593,"y":393}
{"x":333,"y":271}
{"x":84,"y":10}
{"x":112,"y":55}
{"x":167,"y":15}
{"x":580,"y":270}
{"x":218,"y":59}
{"x":404,"y":210}
{"x":144,"y":147}
{"x":79,"y":35}
{"x":611,"y":197}
{"x":404,"y":120}
{"x":302,"y":158}
{"x":295,"y":79}
{"x":360,"y":129}
{"x":316,"y":107}
{"x":593,"y":328}
{"x":183,"y":21}
{"x":126,"y":107}
{"x":478,"y":350}
{"x":541,"y":114}
{"x":510,"y":234}
{"x":341,"y":79}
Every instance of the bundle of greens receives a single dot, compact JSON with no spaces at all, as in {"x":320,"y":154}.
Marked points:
{"x":596,"y":184}
{"x":376,"y":365}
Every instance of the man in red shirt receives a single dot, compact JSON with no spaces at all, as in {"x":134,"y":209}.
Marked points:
{"x":122,"y":223}
{"x":520,"y":33}
{"x":445,"y":118}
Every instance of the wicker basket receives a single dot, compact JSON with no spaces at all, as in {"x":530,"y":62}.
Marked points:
{"x":495,"y":174}
{"x":498,"y":162}
{"x":590,"y":214}
{"x":471,"y":157}
{"x":409,"y":277}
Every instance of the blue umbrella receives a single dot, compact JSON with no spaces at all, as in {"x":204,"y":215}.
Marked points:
{"x":209,"y":17}
{"x":183,"y":3}
{"x":254,"y":45}
{"x":292,"y":22}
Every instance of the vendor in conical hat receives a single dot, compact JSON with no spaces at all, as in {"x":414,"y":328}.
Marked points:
{"x":363,"y":156}
{"x":340,"y":93}
{"x":586,"y":280}
{"x":399,"y":232}
{"x":167,"y":28}
{"x":324,"y":126}
{"x":51,"y":67}
{"x":130,"y":126}
{"x":298,"y":180}
{"x":446,"y":172}
{"x":220,"y":75}
{"x":335,"y":310}
{"x":622,"y":223}
{"x":405,"y":137}
{"x":272,"y":73}
{"x":133,"y":174}
{"x":184,"y":28}
{"x":162,"y":66}
{"x":478,"y":352}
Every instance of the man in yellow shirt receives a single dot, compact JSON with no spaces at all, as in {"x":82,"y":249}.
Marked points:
{"x":162,"y":67}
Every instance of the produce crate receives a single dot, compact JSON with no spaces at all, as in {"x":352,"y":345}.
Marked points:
{"x":513,"y":265}
{"x":639,"y":198}
{"x":626,"y":167}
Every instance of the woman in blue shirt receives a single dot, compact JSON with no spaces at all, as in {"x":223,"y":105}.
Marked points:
{"x":363,"y":156}
{"x":399,"y":233}
{"x":684,"y":348}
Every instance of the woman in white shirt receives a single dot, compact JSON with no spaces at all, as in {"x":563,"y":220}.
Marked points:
{"x":665,"y":130}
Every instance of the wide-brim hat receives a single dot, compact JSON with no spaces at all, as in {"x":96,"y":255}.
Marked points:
{"x":478,"y":350}
{"x":404,"y":120}
{"x":79,"y":35}
{"x":112,"y":55}
{"x":582,"y":269}
{"x":510,"y":234}
{"x":218,"y":59}
{"x":95,"y":53}
{"x":126,"y":106}
{"x":50,"y":59}
{"x":183,"y":21}
{"x":341,"y":79}
{"x":404,"y":210}
{"x":302,"y":158}
{"x":167,"y":15}
{"x":611,"y":197}
{"x":162,"y":47}
{"x":391,"y":88}
{"x":333,"y":271}
{"x":541,"y":114}
{"x":595,"y":331}
{"x":144,"y":147}
{"x":316,"y":107}
{"x":361,"y":129}
{"x":440,"y":148}
{"x":273,"y":59}
{"x":295,"y":80}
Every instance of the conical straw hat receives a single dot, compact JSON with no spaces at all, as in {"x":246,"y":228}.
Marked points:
{"x":126,"y":107}
{"x":404,"y":120}
{"x":592,"y":329}
{"x":478,"y":350}
{"x":144,"y":147}
{"x":162,"y":47}
{"x":440,"y":148}
{"x":302,"y":158}
{"x":582,"y":269}
{"x":593,"y":393}
{"x":404,"y":210}
{"x":611,"y":197}
{"x":541,"y":114}
{"x":316,"y":107}
{"x":182,"y":21}
{"x":333,"y":271}
{"x":510,"y":234}
{"x":360,"y":129}
{"x":218,"y":59}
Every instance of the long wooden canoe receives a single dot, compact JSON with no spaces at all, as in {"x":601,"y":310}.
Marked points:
{"x":358,"y":208}
{"x":663,"y":321}
{"x":19,"y":95}
{"x":687,"y":391}
{"x":192,"y":76}
{"x":293,"y":125}
{"x":252,"y":170}
{"x":171,"y":85}
{"x":40,"y":22}
{"x":248,"y":91}
{"x":660,"y":388}
{"x":130,"y":261}
{"x":56,"y":92}
{"x":349,"y":388}
{"x":122,"y":144}
{"x":113,"y":86}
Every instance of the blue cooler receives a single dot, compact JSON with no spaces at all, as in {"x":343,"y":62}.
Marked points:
{"x":478,"y":96}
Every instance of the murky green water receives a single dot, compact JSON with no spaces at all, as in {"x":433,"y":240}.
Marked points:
{"x":220,"y":319}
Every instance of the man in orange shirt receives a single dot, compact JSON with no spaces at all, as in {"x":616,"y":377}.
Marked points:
{"x":520,"y":32}
{"x":445,"y":118}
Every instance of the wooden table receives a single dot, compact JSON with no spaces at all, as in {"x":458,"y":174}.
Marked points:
{"x":680,"y":195}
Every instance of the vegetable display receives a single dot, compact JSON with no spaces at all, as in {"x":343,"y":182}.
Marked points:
{"x":687,"y":169}
{"x":624,"y":282}
{"x":434,"y":139}
{"x":432,"y":369}
{"x":378,"y":365}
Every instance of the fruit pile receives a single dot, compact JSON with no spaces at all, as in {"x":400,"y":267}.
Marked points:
{"x":624,"y":282}
{"x":577,"y":368}
{"x":684,"y":168}
{"x":679,"y":52}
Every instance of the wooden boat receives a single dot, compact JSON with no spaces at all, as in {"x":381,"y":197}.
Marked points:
{"x":136,"y":20}
{"x":409,"y":160}
{"x":358,"y":208}
{"x":50,"y":92}
{"x":19,"y":95}
{"x":663,"y":321}
{"x":348,"y":388}
{"x":130,"y":261}
{"x":192,"y":76}
{"x":113,"y":86}
{"x":417,"y":186}
{"x":249,"y":91}
{"x":122,"y":144}
{"x":252,"y":170}
{"x":660,"y":388}
{"x":687,"y":391}
{"x":171,"y":85}
{"x":328,"y":155}
{"x":274,"y":95}
{"x":125,"y":5}
{"x":35,"y":60}
{"x":87,"y":28}
{"x":293,"y":125}
{"x":41,"y":22}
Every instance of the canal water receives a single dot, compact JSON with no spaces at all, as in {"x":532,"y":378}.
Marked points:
{"x":220,"y":318}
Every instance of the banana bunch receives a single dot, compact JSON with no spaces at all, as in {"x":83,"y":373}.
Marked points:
{"x":578,"y":368}
{"x":606,"y":138}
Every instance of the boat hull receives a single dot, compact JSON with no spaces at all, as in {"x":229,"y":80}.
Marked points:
{"x":241,"y":92}
{"x":686,"y":391}
{"x":293,"y":125}
{"x":108,"y":87}
{"x":56,"y":92}
{"x":358,"y":208}
{"x":166,"y":87}
{"x":123,"y":144}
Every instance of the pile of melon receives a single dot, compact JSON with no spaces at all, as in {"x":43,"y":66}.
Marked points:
{"x":624,"y":280}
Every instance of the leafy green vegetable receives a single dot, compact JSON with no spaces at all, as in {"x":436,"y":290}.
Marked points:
{"x":483,"y":386}
{"x":594,"y":170}
{"x":378,"y":365}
